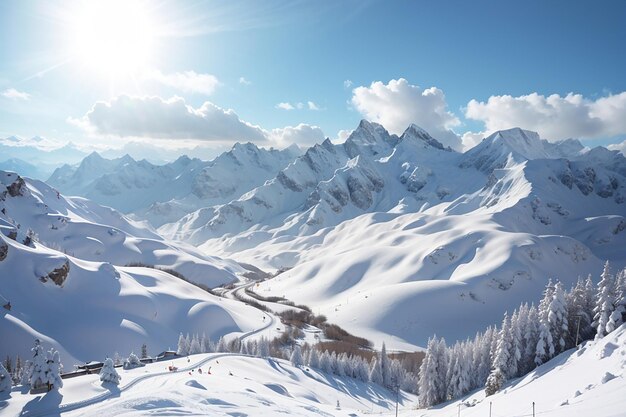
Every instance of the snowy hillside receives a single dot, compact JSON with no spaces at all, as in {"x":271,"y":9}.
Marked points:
{"x":412,"y":228}
{"x":62,"y":268}
{"x":589,"y":381}
{"x":256,"y":387}
{"x":164,"y":193}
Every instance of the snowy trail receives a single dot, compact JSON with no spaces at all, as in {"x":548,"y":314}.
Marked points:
{"x":110,"y":394}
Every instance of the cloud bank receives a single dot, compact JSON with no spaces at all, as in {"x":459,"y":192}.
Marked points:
{"x":155,"y":117}
{"x":158,"y":118}
{"x":553,"y":117}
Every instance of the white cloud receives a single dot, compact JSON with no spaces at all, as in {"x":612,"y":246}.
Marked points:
{"x":553,"y":117}
{"x":313,"y":106}
{"x":471,"y":139}
{"x":13,"y":94}
{"x":285,"y":106}
{"x":302,"y":134}
{"x":155,"y":117}
{"x":299,"y":105}
{"x":397,"y":104}
{"x":187,"y":81}
{"x":347,"y":84}
{"x":618,"y":147}
{"x":244,"y":81}
{"x":343,"y":134}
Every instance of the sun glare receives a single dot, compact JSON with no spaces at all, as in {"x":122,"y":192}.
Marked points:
{"x":115,"y":37}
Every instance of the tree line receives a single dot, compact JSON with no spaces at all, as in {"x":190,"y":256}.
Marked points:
{"x":527,"y":338}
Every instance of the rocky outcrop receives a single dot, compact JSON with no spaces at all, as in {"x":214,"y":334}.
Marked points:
{"x":4,"y":250}
{"x":58,"y":275}
{"x":17,"y":187}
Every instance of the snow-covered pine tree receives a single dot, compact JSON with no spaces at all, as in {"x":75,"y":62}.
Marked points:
{"x":557,"y":317}
{"x":117,"y":359}
{"x":544,"y":350}
{"x":132,"y":361}
{"x":296,"y":356}
{"x":341,"y":365}
{"x":37,"y":375}
{"x":376,"y":375}
{"x":578,"y":317}
{"x":183,"y":349}
{"x":8,"y":365}
{"x":53,"y":370}
{"x":263,"y":347}
{"x":26,"y":373}
{"x":458,"y":376}
{"x":590,"y":297}
{"x":617,"y":317}
{"x":194,"y":346}
{"x":500,"y":365}
{"x":431,"y":381}
{"x":481,"y":357}
{"x":222,"y":346}
{"x":19,"y":370}
{"x":494,"y":382}
{"x":362,"y":370}
{"x":108,"y":374}
{"x":6,"y":381}
{"x":326,"y":363}
{"x":516,"y":345}
{"x":531,"y":338}
{"x":314,"y":358}
{"x":604,"y":301}
{"x":384,"y":367}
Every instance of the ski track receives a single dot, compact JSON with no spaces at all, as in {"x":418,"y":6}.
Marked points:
{"x":106,"y":395}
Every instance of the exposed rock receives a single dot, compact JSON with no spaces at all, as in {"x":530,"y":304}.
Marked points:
{"x":4,"y":250}
{"x":58,"y":275}
{"x":16,"y":188}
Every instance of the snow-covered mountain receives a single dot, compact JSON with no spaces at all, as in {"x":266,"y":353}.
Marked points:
{"x":384,"y":233}
{"x":46,"y":154}
{"x":399,"y":223}
{"x":165,"y":193}
{"x":63,"y":270}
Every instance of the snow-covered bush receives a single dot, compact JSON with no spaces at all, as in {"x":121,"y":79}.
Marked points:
{"x":108,"y":372}
{"x":53,"y":370}
{"x":132,"y":361}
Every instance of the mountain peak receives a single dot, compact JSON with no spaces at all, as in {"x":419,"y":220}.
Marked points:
{"x":416,"y":132}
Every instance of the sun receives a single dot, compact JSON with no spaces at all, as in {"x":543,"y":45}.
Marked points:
{"x":115,"y":37}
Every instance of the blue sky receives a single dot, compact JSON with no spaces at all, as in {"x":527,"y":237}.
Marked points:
{"x":510,"y":57}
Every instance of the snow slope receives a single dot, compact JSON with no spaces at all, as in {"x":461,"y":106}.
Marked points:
{"x":91,"y":232}
{"x":257,"y":387}
{"x":417,"y":229}
{"x":62,"y":268}
{"x":589,"y":381}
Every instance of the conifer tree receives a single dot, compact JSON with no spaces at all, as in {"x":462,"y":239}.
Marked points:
{"x":557,"y":317}
{"x":296,"y":356}
{"x":6,"y":381}
{"x":53,"y":370}
{"x":37,"y":376}
{"x":604,"y":301}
